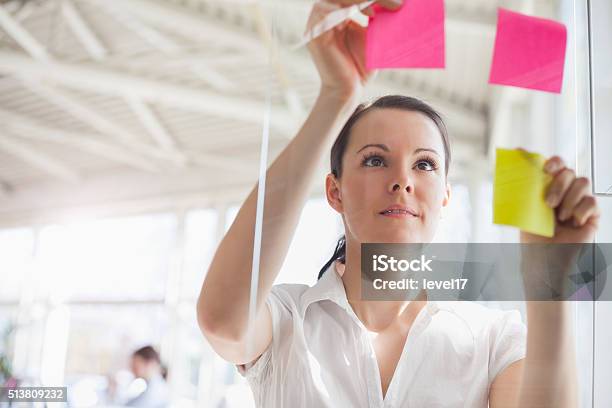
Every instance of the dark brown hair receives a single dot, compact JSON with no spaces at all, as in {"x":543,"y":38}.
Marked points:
{"x":386,"y":102}
{"x":148,"y":353}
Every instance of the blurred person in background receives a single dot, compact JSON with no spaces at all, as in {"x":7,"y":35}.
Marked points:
{"x":146,"y":364}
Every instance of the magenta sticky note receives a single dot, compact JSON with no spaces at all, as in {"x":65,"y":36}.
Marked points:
{"x":411,"y":37}
{"x":529,"y":52}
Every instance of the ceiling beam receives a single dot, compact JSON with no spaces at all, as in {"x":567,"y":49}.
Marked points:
{"x":83,"y":31}
{"x":22,"y":36}
{"x":120,"y":84}
{"x":57,"y":97}
{"x":35,"y":158}
{"x":189,"y":56}
{"x":189,"y":24}
{"x":162,"y":42}
{"x":114,"y":194}
{"x":99,"y":122}
{"x":152,"y":36}
{"x":29,"y":128}
{"x":151,"y":122}
{"x":21,"y":10}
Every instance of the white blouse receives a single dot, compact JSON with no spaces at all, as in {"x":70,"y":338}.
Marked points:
{"x":321,"y":354}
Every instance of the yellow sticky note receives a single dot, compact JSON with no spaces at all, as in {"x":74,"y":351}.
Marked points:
{"x":519,"y":192}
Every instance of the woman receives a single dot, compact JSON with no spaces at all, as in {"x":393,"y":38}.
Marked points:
{"x":146,"y":364}
{"x":323,"y":346}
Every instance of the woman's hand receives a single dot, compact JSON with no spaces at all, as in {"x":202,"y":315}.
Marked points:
{"x":576,"y":211}
{"x":546,"y":267}
{"x":339,"y":54}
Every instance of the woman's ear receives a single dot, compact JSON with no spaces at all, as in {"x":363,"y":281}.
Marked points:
{"x":332,"y":192}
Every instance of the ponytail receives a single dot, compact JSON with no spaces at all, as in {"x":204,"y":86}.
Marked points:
{"x":339,"y":255}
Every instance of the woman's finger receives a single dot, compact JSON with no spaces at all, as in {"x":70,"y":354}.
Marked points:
{"x":586,"y":208}
{"x":579,"y":188}
{"x":323,"y":7}
{"x":368,"y":11}
{"x":559,"y":186}
{"x":388,"y":4}
{"x":356,"y":38}
{"x":554,"y":165}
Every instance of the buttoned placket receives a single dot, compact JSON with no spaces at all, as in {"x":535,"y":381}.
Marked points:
{"x":372,"y":372}
{"x":399,"y":376}
{"x":373,"y":378}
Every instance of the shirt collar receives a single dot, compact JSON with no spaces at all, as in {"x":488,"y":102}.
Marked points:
{"x":331,"y":287}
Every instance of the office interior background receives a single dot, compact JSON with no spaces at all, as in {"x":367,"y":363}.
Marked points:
{"x":131,"y":130}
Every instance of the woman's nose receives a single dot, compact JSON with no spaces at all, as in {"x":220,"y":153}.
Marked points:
{"x":401,"y":179}
{"x":397,"y":187}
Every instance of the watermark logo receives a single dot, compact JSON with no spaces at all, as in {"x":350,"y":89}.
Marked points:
{"x":385,"y":263}
{"x":485,"y":271}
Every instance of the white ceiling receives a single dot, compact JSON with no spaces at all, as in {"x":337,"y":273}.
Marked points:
{"x":104,"y":101}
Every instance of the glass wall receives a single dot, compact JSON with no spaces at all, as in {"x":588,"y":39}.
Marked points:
{"x":78,"y":297}
{"x":499,"y":117}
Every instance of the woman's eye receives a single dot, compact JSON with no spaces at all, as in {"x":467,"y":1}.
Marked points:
{"x":425,"y":165}
{"x":374,"y":161}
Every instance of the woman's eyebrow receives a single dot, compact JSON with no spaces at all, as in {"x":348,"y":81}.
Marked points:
{"x":422,"y":149}
{"x":386,"y":149}
{"x":380,"y":146}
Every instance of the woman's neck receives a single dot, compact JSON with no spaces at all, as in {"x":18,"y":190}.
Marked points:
{"x":375,"y":315}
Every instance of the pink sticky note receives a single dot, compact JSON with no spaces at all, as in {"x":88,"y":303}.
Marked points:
{"x":411,"y":37}
{"x":529,"y":52}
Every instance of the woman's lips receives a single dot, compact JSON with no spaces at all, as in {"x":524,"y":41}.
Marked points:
{"x":398,"y":215}
{"x":399,"y":211}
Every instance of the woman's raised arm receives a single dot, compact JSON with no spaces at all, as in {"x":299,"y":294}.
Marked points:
{"x":223,"y":304}
{"x":547,"y":376}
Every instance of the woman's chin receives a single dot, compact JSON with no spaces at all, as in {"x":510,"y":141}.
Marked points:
{"x":397,"y":238}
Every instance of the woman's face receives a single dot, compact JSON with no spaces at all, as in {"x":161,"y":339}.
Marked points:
{"x":142,"y":368}
{"x":138,"y":366}
{"x":393,"y":184}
